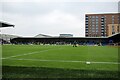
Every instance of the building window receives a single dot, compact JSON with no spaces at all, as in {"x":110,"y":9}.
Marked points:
{"x":118,"y":29}
{"x":86,"y":30}
{"x":93,"y":22}
{"x":93,"y":30}
{"x":102,"y":20}
{"x":113,"y":31}
{"x":86,"y":26}
{"x":112,"y":16}
{"x":86,"y":18}
{"x":105,"y":22}
{"x":112,"y":22}
{"x":102,"y":36}
{"x":96,"y":25}
{"x":113,"y":19}
{"x":96,"y":20}
{"x":86,"y":22}
{"x":102,"y":30}
{"x":93,"y":25}
{"x":102,"y":25}
{"x":118,"y":18}
{"x":96,"y":17}
{"x":112,"y":28}
{"x":102,"y":17}
{"x":96,"y":30}
{"x":93,"y":17}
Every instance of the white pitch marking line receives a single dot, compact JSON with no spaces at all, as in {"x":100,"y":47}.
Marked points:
{"x":65,"y":61}
{"x":29,"y":53}
{"x":106,"y":62}
{"x":45,"y":60}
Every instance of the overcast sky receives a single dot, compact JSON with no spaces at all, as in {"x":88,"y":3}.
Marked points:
{"x":51,"y":17}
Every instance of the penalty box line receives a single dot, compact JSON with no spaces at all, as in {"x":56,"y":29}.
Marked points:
{"x":30,"y":53}
{"x":64,"y":61}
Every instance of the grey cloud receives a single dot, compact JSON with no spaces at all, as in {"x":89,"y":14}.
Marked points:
{"x":33,"y":18}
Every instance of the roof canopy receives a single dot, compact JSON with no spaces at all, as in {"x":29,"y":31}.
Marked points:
{"x":3,"y":24}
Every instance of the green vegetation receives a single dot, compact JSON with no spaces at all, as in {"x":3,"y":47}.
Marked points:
{"x":54,"y":61}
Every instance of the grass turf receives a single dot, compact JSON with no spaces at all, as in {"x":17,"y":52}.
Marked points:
{"x":29,"y":56}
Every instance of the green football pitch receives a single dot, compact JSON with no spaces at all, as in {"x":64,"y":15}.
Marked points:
{"x":95,"y":58}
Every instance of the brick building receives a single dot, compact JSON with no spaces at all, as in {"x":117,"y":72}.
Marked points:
{"x":113,"y":29}
{"x":97,"y":25}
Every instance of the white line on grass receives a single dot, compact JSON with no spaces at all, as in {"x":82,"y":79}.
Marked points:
{"x":106,"y":62}
{"x":30,"y":53}
{"x":63,"y":61}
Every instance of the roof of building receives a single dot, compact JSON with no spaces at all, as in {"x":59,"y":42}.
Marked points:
{"x":114,"y":35}
{"x":4,"y":24}
{"x":42,"y":36}
{"x":8,"y":36}
{"x":103,"y":14}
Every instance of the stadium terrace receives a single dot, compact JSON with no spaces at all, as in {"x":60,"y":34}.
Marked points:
{"x":111,"y":40}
